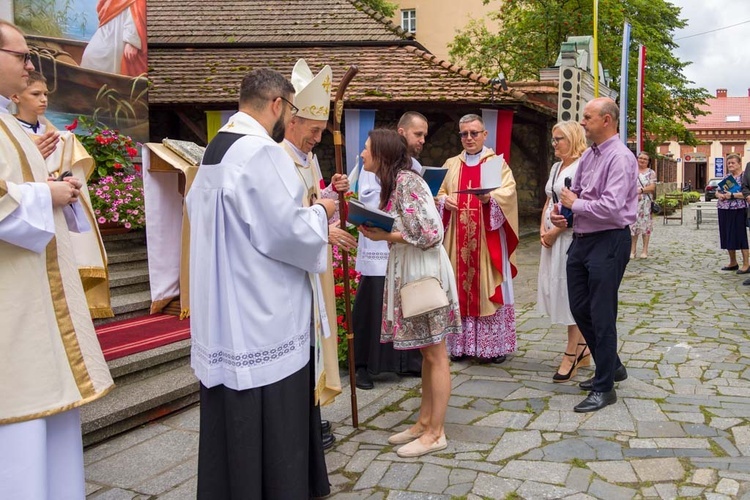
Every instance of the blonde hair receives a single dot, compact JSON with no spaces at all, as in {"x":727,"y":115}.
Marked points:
{"x":573,"y":132}
{"x":736,"y":157}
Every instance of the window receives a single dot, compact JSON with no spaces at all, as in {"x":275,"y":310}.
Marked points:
{"x":733,"y":118}
{"x":409,"y":20}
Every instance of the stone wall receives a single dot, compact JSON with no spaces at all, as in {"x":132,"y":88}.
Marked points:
{"x":531,"y":153}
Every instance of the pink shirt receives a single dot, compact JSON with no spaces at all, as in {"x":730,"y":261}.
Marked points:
{"x":607,"y":188}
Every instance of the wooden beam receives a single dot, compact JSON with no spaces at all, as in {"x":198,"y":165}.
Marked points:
{"x":200,"y":134}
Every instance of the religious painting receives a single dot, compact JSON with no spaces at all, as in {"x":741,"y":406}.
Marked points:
{"x":93,"y":54}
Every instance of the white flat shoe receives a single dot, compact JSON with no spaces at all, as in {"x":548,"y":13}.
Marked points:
{"x":417,"y":449}
{"x":404,"y":437}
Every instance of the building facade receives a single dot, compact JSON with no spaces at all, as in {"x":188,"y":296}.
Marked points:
{"x":434,"y":23}
{"x":726,"y":129}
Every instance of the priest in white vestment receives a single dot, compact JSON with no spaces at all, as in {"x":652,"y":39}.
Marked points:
{"x":50,"y":359}
{"x":253,"y":249}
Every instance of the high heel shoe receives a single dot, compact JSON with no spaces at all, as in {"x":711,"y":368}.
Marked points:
{"x":560,"y":377}
{"x":584,"y":359}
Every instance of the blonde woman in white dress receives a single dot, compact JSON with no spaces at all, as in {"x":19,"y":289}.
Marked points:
{"x":552,"y":292}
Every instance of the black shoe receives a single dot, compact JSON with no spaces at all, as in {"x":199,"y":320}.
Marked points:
{"x":496,"y":360}
{"x":746,"y":282}
{"x":620,"y":375}
{"x":328,"y":440}
{"x":564,"y":377}
{"x":596,"y":401}
{"x":457,"y":358}
{"x":363,"y":380}
{"x":325,"y":426}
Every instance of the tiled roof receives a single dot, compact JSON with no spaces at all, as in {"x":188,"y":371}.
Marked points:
{"x":265,"y":22}
{"x":398,"y":73}
{"x":720,"y":108}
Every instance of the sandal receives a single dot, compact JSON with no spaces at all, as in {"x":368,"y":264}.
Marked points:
{"x":584,"y":359}
{"x":560,"y":377}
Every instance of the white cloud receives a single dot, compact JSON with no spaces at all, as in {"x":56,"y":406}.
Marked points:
{"x":720,"y":59}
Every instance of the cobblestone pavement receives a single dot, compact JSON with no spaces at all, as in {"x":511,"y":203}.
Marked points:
{"x":679,"y":429}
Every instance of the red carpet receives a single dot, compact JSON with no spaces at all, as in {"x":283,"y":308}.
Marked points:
{"x":134,"y":335}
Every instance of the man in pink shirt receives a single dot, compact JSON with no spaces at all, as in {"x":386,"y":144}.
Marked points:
{"x":603,"y":199}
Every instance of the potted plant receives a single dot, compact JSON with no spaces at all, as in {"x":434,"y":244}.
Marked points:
{"x":116,"y":185}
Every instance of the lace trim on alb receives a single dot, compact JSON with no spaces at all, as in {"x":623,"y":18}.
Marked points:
{"x":373,"y":255}
{"x":248,"y":359}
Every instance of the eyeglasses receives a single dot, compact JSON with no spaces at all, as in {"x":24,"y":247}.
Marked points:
{"x":474,"y":134}
{"x":23,"y":56}
{"x":555,"y":140}
{"x":294,"y":108}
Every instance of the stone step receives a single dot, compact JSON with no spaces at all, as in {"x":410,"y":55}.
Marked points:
{"x":133,"y":254}
{"x":124,"y":241}
{"x":124,"y":281}
{"x":148,"y":386}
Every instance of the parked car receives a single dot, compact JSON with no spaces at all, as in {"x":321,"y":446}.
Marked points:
{"x":711,"y":187}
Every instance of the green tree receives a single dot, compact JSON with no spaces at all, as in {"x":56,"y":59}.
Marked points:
{"x":382,"y":6}
{"x":532,"y":31}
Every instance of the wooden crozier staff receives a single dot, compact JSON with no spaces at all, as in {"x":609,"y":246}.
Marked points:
{"x":338,"y":107}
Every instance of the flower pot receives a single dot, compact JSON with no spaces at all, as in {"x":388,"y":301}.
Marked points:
{"x":111,"y":228}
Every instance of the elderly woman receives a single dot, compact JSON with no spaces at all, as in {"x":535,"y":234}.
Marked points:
{"x":416,"y":252}
{"x":644,"y":223}
{"x":552,"y":292}
{"x":731,"y":208}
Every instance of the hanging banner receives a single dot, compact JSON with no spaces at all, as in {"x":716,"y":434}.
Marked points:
{"x":499,"y":126}
{"x":624,"y":83}
{"x":357,"y":124}
{"x":641,"y":92}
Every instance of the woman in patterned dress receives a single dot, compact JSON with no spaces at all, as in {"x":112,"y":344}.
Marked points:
{"x":644,"y":223}
{"x":416,"y":251}
{"x":731,"y":209}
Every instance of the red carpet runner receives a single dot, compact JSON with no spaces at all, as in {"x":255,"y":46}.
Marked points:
{"x":134,"y":335}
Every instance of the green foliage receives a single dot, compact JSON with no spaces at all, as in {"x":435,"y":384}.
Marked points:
{"x":115,"y":185}
{"x":530,"y":38}
{"x":381,"y":6}
{"x":47,"y":17}
{"x":339,"y":278}
{"x":691,"y":197}
{"x":111,"y":151}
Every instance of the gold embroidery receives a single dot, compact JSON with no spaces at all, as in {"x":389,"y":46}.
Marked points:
{"x":468,"y":246}
{"x":327,"y":84}
{"x":321,"y":111}
{"x":68,"y":335}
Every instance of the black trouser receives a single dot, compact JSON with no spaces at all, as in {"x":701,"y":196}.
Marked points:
{"x":596,"y":264}
{"x":255,"y":443}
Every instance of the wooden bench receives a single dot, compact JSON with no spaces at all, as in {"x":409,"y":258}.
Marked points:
{"x":705,"y":211}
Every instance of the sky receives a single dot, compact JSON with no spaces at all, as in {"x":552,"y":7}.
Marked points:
{"x":720,"y":59}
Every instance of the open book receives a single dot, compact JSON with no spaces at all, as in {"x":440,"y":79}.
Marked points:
{"x":491,"y":175}
{"x":434,"y":176}
{"x":360,"y":215}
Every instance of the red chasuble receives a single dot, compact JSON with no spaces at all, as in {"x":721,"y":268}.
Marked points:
{"x":474,"y":219}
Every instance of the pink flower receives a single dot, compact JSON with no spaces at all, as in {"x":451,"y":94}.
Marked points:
{"x":101,"y":220}
{"x":127,"y":225}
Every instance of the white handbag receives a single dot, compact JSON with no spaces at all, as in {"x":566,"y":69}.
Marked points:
{"x":422,"y":296}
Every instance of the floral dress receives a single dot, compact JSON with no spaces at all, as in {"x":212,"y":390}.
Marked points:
{"x":644,"y":224}
{"x":423,"y":255}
